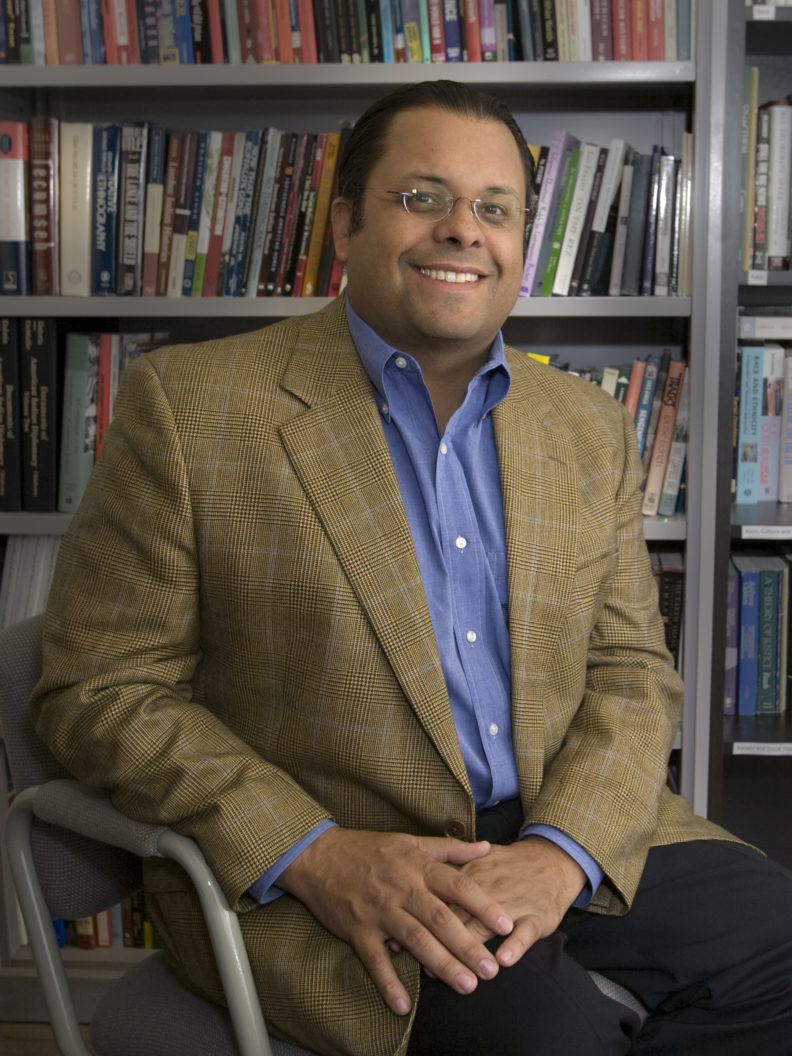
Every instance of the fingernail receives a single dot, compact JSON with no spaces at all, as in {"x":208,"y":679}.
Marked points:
{"x":488,"y":968}
{"x":402,"y":1006}
{"x":466,"y":983}
{"x":506,"y":957}
{"x":504,"y":925}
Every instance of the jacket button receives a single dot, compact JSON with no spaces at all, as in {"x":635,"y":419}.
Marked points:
{"x":455,"y":829}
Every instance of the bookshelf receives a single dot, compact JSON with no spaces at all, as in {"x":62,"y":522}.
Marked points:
{"x":750,"y":764}
{"x":646,"y":102}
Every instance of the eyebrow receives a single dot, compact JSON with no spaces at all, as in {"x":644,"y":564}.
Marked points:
{"x":429,"y":177}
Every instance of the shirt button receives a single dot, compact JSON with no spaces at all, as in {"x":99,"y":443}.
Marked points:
{"x":400,"y":362}
{"x":384,"y":408}
{"x":471,"y":636}
{"x":493,"y":730}
{"x":460,"y":542}
{"x":443,"y":448}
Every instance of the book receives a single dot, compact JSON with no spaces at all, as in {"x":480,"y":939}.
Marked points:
{"x":672,"y":601}
{"x":633,"y":393}
{"x":10,"y":411}
{"x":664,"y":226}
{"x":573,"y":228}
{"x":321,"y":215}
{"x":620,"y":233}
{"x":154,"y":193}
{"x":654,"y":413}
{"x":664,"y":438}
{"x":622,"y":31}
{"x":558,"y":156}
{"x":751,"y":385}
{"x":14,"y":213}
{"x":677,"y":455}
{"x":748,"y":160}
{"x":489,"y":41}
{"x":70,"y":49}
{"x":239,"y":153}
{"x":132,"y":176}
{"x":78,"y":428}
{"x":636,"y":225}
{"x":452,"y":33}
{"x":650,"y":226}
{"x":262,"y":200}
{"x":769,"y":633}
{"x":685,"y":199}
{"x":40,"y":389}
{"x":106,"y":383}
{"x":148,"y":31}
{"x":43,"y":198}
{"x":646,"y":399}
{"x":194,"y":221}
{"x":75,"y":188}
{"x":779,"y":172}
{"x":601,"y":31}
{"x":556,"y":241}
{"x":181,"y":214}
{"x":173,"y":165}
{"x":104,"y":208}
{"x":761,"y":172}
{"x":732,"y":651}
{"x":273,"y":239}
{"x":785,"y":445}
{"x":770,"y":422}
{"x":219,"y":210}
{"x":639,"y":30}
{"x":306,"y":221}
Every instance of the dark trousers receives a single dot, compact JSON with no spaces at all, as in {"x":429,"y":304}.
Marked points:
{"x":706,"y":946}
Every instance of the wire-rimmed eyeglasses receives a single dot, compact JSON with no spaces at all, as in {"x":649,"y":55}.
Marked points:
{"x":501,"y":209}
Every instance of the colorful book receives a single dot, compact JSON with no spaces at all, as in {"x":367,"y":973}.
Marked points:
{"x":75,"y":187}
{"x":78,"y":429}
{"x":558,"y":157}
{"x":14,"y":212}
{"x":732,"y":651}
{"x":194,"y":221}
{"x":154,"y":192}
{"x":45,"y":272}
{"x":104,"y":208}
{"x":664,"y":438}
{"x":41,"y":403}
{"x":749,"y":435}
{"x":770,"y":423}
{"x":564,"y":207}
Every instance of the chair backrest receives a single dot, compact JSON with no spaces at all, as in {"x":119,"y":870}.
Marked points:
{"x":79,"y":876}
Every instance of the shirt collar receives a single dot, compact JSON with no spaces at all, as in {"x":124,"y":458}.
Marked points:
{"x":375,"y":354}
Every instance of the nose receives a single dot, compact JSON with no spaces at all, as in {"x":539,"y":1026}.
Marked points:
{"x":461,"y":225}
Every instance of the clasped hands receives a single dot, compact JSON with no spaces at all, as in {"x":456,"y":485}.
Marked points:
{"x":436,"y":897}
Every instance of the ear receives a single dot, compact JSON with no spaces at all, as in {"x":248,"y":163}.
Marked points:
{"x":341,"y":219}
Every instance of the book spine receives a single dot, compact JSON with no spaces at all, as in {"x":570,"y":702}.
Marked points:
{"x":779,"y":171}
{"x":193,"y":226}
{"x":292,"y":210}
{"x":664,"y":226}
{"x":70,"y":47}
{"x":731,"y":658}
{"x":155,"y":186}
{"x":211,"y":280}
{"x":293,"y":285}
{"x":307,"y":23}
{"x":655,"y":30}
{"x":43,"y":140}
{"x":321,"y":214}
{"x":573,"y":229}
{"x":167,"y":44}
{"x":751,"y":382}
{"x":181,"y":214}
{"x":639,"y":30}
{"x":14,"y":229}
{"x":214,"y":147}
{"x":767,"y":642}
{"x":561,"y":221}
{"x":131,"y":218}
{"x":677,"y":455}
{"x":104,"y":209}
{"x":762,"y":166}
{"x":646,"y":399}
{"x":148,"y":33}
{"x":78,"y":430}
{"x":172,"y":167}
{"x":561,"y":146}
{"x":274,"y":240}
{"x":670,"y":28}
{"x":489,"y":42}
{"x":601,"y":31}
{"x":215,"y":22}
{"x":40,"y":409}
{"x":664,"y":437}
{"x":228,"y":226}
{"x":184,"y":36}
{"x":620,"y":234}
{"x":247,"y":181}
{"x":650,"y":226}
{"x":770,"y":421}
{"x":231,"y":36}
{"x":785,"y":459}
{"x":92,"y":35}
{"x":76,"y":180}
{"x":636,"y":226}
{"x":10,"y":406}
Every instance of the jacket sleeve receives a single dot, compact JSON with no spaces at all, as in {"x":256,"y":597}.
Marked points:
{"x":122,"y":647}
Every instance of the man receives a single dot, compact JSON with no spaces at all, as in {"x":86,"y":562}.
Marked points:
{"x":347,"y":593}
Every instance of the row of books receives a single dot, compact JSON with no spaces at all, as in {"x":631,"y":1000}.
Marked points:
{"x":766,"y":178}
{"x":124,"y":925}
{"x":610,"y":221}
{"x":757,"y":633}
{"x":134,"y":209}
{"x":129,"y":32}
{"x":57,"y":398}
{"x":762,"y":423}
{"x":653,"y":389}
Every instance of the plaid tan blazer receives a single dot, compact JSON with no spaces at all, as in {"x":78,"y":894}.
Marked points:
{"x":238,"y":643}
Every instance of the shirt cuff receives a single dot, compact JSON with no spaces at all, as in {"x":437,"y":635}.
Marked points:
{"x":264,"y":889}
{"x":594,"y":874}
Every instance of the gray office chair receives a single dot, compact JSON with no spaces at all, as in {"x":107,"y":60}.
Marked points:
{"x":73,"y":854}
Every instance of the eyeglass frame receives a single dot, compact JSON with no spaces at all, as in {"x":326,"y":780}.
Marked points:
{"x":452,"y":201}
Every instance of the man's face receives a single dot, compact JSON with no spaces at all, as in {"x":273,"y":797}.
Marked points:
{"x":399,"y":266}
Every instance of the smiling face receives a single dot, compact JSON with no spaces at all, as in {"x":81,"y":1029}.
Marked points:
{"x":442,"y":288}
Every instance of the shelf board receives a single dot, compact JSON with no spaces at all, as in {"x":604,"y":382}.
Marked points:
{"x":282,"y":307}
{"x":665,"y":529}
{"x":343,"y":78}
{"x":767,"y":735}
{"x":763,"y":521}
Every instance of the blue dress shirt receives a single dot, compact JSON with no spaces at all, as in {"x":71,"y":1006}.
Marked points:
{"x":450,"y":487}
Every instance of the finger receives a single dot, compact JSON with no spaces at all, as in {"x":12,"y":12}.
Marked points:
{"x":526,"y":932}
{"x":460,"y":890}
{"x":375,"y":959}
{"x":455,"y":852}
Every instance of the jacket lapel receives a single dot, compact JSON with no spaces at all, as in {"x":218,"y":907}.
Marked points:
{"x":542,"y":517}
{"x":339,"y":453}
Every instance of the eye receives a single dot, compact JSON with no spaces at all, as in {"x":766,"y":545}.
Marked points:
{"x":426,"y":200}
{"x":494,"y":211}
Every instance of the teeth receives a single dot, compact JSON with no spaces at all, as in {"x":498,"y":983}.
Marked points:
{"x":450,"y":276}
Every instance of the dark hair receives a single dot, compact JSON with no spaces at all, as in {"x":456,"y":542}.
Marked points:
{"x":366,"y":143}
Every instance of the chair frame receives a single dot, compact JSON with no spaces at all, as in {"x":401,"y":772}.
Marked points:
{"x":59,"y":802}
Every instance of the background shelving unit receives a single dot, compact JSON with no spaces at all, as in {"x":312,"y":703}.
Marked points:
{"x":750,"y":764}
{"x":646,"y":103}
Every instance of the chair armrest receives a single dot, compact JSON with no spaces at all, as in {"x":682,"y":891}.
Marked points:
{"x":88,"y":811}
